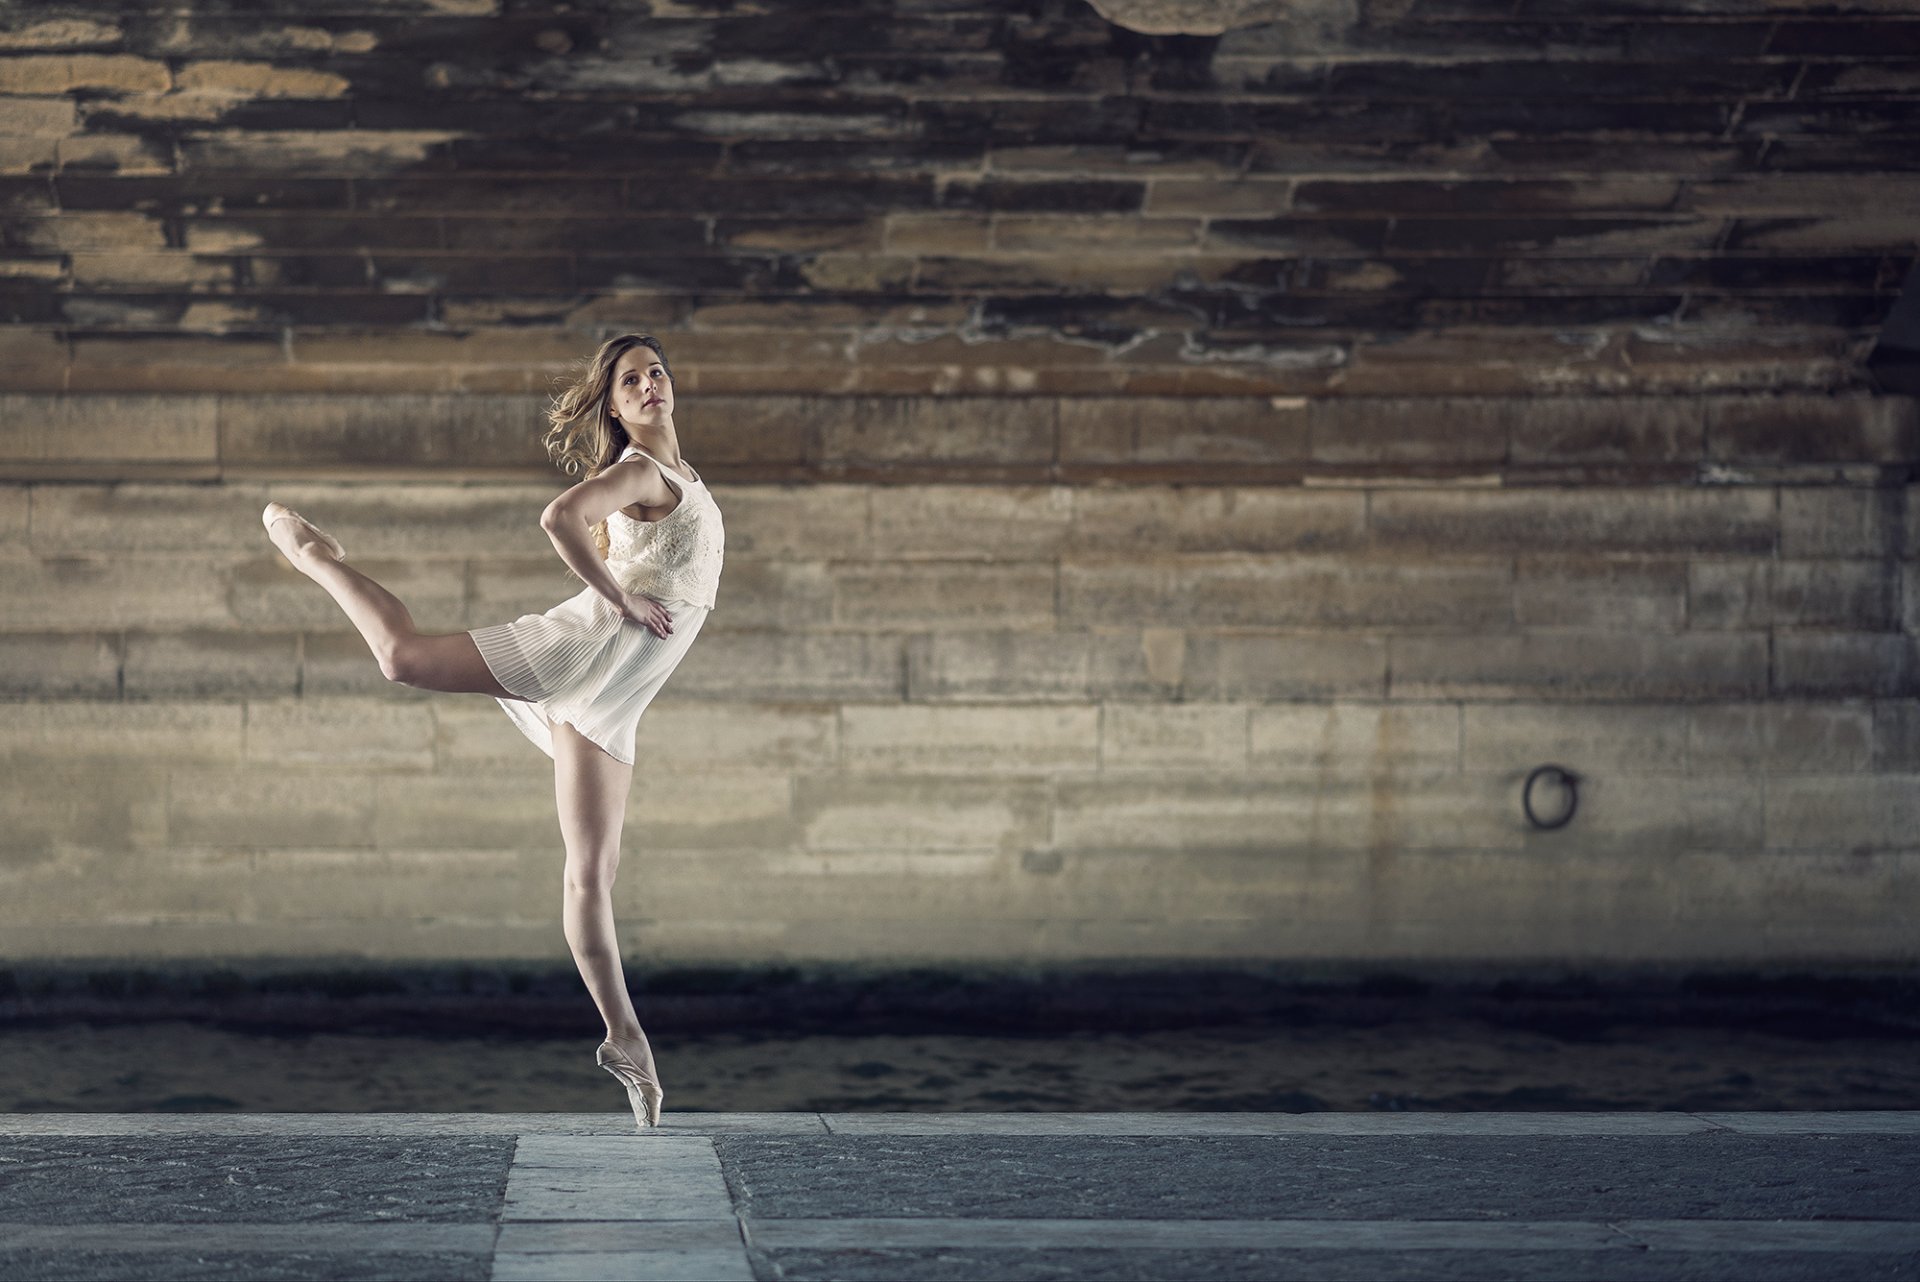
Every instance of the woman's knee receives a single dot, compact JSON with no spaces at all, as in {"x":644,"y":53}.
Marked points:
{"x":400,"y":663}
{"x":591,"y":876}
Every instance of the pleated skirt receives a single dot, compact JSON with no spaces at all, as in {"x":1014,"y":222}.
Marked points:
{"x":582,"y":664}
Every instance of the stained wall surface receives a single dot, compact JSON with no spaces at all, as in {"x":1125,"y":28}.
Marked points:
{"x":1178,"y":487}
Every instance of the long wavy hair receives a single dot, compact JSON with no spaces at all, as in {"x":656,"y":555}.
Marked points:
{"x":584,"y":436}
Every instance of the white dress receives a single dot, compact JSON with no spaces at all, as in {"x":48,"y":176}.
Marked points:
{"x":582,"y":663}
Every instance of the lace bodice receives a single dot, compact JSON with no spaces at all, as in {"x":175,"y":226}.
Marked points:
{"x":677,"y":557}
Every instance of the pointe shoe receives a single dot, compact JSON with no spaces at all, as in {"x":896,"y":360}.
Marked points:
{"x":281,"y":512}
{"x":643,"y":1091}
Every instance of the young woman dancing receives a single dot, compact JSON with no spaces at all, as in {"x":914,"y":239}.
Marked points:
{"x":644,"y":534}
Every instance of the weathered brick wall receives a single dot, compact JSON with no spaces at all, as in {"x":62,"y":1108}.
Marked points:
{"x":1015,"y":717}
{"x":1177,"y":486}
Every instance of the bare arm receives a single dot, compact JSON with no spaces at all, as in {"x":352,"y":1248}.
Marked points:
{"x":569,"y":519}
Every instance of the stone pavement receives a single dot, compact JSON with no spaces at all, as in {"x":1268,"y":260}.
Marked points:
{"x":1666,"y":1195}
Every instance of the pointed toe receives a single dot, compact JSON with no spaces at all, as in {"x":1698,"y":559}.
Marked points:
{"x":281,"y":512}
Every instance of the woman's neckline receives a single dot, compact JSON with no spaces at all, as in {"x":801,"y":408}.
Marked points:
{"x":694,"y":480}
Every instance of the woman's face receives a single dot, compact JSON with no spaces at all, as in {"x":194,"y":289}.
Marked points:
{"x":642,"y":392}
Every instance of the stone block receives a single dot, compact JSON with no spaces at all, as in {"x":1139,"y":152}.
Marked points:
{"x":268,"y":592}
{"x":1370,"y":430}
{"x":1781,"y":737}
{"x":1623,"y":429}
{"x":477,"y":734}
{"x":80,"y":593}
{"x":171,"y":733}
{"x":427,"y":521}
{"x":1181,"y":430}
{"x":1734,"y":593}
{"x":1857,"y":596}
{"x":919,"y":813}
{"x":1279,"y":665}
{"x":147,"y":271}
{"x":173,"y":429}
{"x":472,"y":430}
{"x":30,"y":117}
{"x":1845,"y":665}
{"x":498,"y":591}
{"x":1580,"y":665}
{"x":168,"y":888}
{"x":1157,"y":520}
{"x":938,"y":233}
{"x":954,"y":522}
{"x":1000,"y":430}
{"x":1350,"y":738}
{"x":495,"y":809}
{"x":1896,"y":735}
{"x":764,"y":431}
{"x":60,"y":665}
{"x":1009,"y":739}
{"x":1042,"y":234}
{"x":109,"y":230}
{"x":804,"y":668}
{"x":30,"y":155}
{"x":761,"y":736}
{"x":1621,"y":738}
{"x":1675,"y":521}
{"x":1281,"y":812}
{"x":1829,"y":521}
{"x":1803,"y":429}
{"x":1839,"y":813}
{"x":211,"y":664}
{"x":57,"y":803}
{"x":750,"y":892}
{"x":379,"y":887}
{"x":1170,"y":737}
{"x":994,"y":666}
{"x":785,"y":596}
{"x":798,"y":522}
{"x":15,"y":503}
{"x":267,"y":806}
{"x":703,"y":807}
{"x":947,"y":595}
{"x":1287,"y":591}
{"x":1600,"y":593}
{"x":365,"y":734}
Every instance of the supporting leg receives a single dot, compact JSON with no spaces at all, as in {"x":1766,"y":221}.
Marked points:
{"x":591,"y":789}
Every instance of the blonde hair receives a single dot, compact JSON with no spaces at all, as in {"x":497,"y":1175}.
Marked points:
{"x":584,"y":434}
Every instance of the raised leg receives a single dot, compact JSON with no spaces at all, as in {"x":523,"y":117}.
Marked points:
{"x":429,"y":661}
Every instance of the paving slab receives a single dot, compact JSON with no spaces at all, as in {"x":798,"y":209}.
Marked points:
{"x":1265,"y":1123}
{"x":1653,"y":1196}
{"x":1711,"y":1175}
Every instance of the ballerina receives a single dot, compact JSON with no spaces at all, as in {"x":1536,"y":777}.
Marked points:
{"x":644,"y":535}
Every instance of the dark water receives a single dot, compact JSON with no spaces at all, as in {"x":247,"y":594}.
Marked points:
{"x":776,"y":1042}
{"x":191,"y":1067}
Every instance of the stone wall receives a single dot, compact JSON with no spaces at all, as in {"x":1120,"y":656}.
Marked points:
{"x":1276,"y":703}
{"x":1177,"y":485}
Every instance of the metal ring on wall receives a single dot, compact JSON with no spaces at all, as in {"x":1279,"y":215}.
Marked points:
{"x":1568,"y":779}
